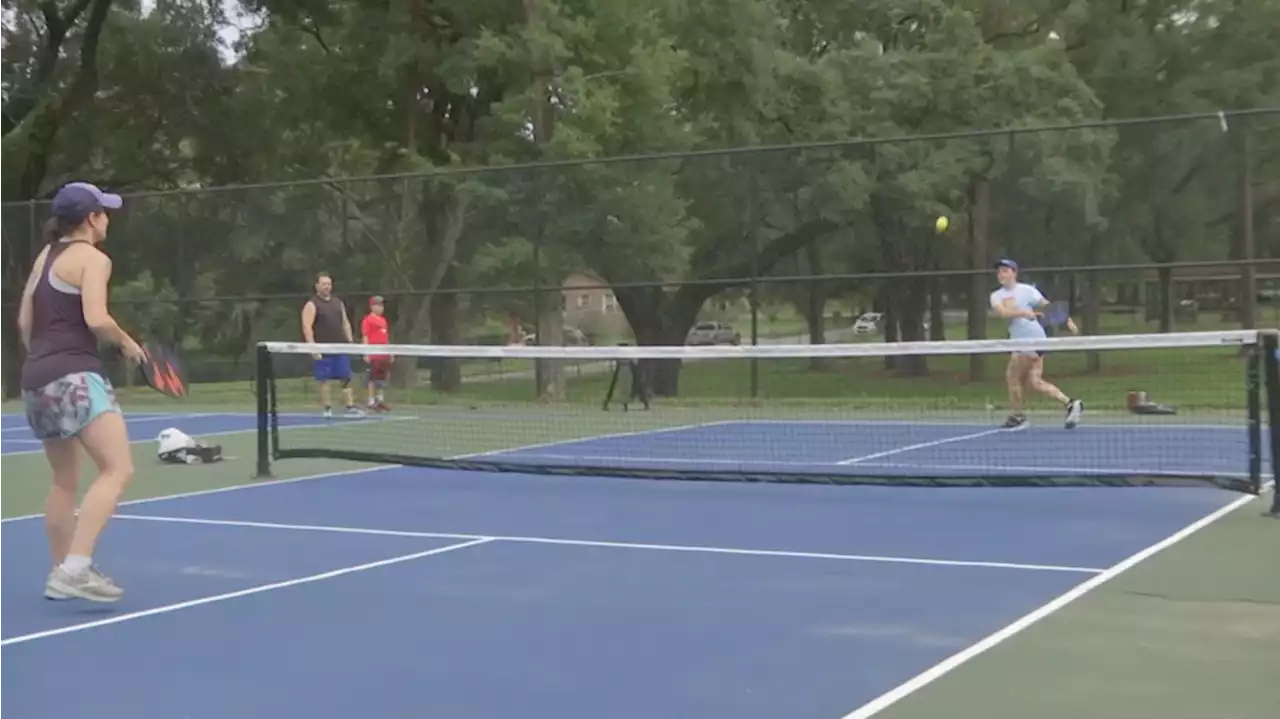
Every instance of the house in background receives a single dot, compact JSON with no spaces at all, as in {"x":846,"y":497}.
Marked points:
{"x":591,"y":307}
{"x":586,"y":297}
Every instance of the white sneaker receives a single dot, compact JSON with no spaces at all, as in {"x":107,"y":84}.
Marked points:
{"x":354,"y":411}
{"x":49,"y":591}
{"x":1075,"y":409}
{"x":89,"y":584}
{"x":328,"y":414}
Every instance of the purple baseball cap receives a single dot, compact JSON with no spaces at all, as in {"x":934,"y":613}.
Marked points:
{"x":77,"y":200}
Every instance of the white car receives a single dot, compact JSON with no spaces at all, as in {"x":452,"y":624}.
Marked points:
{"x":573,"y":337}
{"x":713,"y":333}
{"x":868,"y":323}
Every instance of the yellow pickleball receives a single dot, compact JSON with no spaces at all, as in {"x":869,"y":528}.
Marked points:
{"x":942,"y":223}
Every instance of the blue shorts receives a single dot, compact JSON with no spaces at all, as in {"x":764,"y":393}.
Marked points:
{"x":65,"y":406}
{"x":332,"y":367}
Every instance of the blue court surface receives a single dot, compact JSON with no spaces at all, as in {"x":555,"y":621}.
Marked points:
{"x":886,"y":448}
{"x":408,"y":592}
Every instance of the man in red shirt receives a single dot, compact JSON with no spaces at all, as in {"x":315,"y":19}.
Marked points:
{"x":376,"y":332}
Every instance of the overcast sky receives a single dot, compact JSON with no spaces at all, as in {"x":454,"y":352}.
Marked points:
{"x":230,"y":32}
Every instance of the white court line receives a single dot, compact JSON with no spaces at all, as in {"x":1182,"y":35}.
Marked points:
{"x":231,"y":488}
{"x":131,"y":419}
{"x":617,"y":545}
{"x":309,"y":477}
{"x":1085,"y":424}
{"x":918,"y":682}
{"x":921,"y":445}
{"x":974,"y":468}
{"x":593,"y":438}
{"x":241,"y":593}
{"x":320,"y":423}
{"x":992,"y":468}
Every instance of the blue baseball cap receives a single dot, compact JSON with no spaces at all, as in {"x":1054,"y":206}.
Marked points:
{"x":77,"y":200}
{"x":1006,"y":262}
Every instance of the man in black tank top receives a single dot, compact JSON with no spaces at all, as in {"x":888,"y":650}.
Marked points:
{"x":324,"y":320}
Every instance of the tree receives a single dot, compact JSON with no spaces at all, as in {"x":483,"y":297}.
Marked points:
{"x":50,"y":73}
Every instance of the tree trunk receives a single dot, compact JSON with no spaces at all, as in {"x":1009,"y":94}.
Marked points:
{"x":937,"y":318}
{"x":659,"y":318}
{"x":550,"y":373}
{"x":663,"y":375}
{"x":1091,"y":295}
{"x":889,"y":317}
{"x":815,"y":305}
{"x":29,"y":141}
{"x":446,"y":372}
{"x":13,"y":356}
{"x":1168,"y":302}
{"x":979,"y":305}
{"x":911,"y":325}
{"x":22,"y":243}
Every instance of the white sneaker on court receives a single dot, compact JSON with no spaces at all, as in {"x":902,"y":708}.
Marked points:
{"x":1075,"y":408}
{"x":89,"y":584}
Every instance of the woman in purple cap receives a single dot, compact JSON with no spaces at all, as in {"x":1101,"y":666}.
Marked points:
{"x":69,"y":403}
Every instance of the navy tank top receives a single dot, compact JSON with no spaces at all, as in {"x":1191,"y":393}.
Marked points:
{"x":61,"y":341}
{"x":328,"y":327}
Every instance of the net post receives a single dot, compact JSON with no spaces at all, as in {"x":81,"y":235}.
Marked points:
{"x":1271,"y":385}
{"x":262,"y":386}
{"x":1253,"y":405}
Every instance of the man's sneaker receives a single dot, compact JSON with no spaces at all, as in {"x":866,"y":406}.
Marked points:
{"x":328,"y":413}
{"x":89,"y":584}
{"x":1075,"y":408}
{"x":49,"y":591}
{"x":354,"y":411}
{"x":1014,"y":422}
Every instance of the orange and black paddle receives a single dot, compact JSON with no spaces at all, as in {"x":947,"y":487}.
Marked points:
{"x":162,"y":370}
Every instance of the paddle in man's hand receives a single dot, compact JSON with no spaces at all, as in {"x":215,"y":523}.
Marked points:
{"x":1057,"y":313}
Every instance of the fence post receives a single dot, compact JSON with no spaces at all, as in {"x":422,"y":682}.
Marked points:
{"x":1249,"y":271}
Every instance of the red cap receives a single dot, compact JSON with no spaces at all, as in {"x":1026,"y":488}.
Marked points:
{"x":375,"y":300}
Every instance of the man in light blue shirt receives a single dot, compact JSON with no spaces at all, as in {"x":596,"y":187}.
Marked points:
{"x":1018,"y":303}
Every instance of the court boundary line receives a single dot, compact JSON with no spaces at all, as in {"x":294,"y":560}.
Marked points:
{"x":577,"y":440}
{"x":128,"y":420}
{"x":309,"y":477}
{"x":961,"y":423}
{"x":962,"y":657}
{"x":689,"y":548}
{"x":967,"y":423}
{"x":311,"y":578}
{"x":977,"y":469}
{"x":229,"y":488}
{"x":920,"y":445}
{"x":151,"y":439}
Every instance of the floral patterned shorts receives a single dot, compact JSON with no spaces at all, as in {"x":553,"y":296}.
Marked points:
{"x":67,"y":405}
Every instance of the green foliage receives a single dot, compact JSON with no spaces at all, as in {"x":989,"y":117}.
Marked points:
{"x":324,"y":91}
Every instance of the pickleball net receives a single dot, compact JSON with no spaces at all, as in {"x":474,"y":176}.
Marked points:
{"x":1159,"y":409}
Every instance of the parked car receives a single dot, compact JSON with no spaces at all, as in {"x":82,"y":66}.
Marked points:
{"x":713,"y":333}
{"x":868,"y":323}
{"x":573,"y":337}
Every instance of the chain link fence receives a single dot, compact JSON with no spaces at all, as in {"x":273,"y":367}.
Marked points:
{"x":1164,"y":224}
